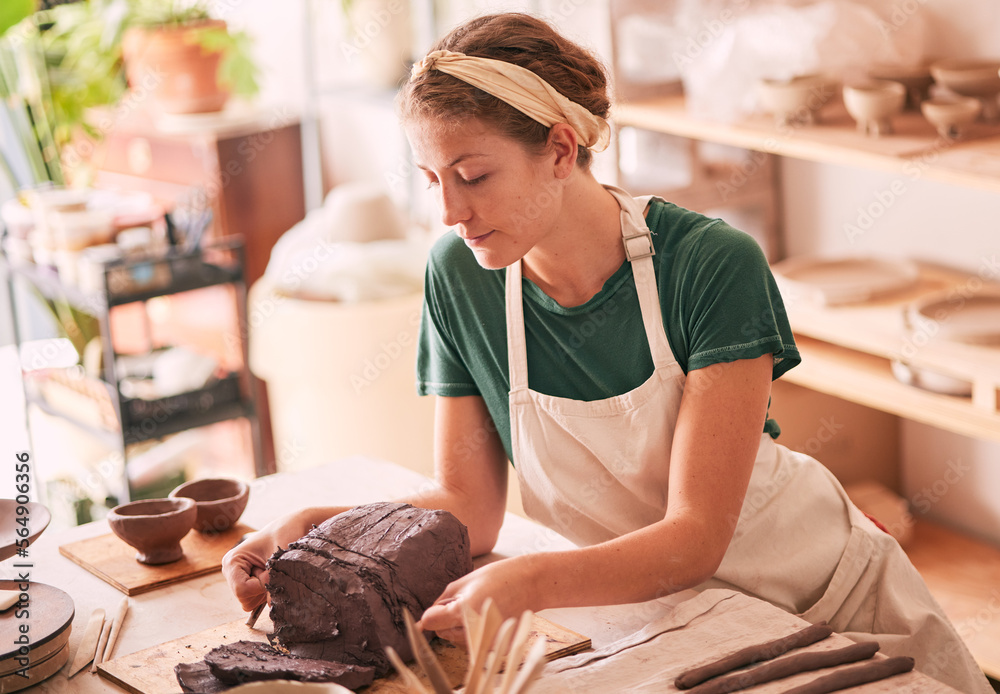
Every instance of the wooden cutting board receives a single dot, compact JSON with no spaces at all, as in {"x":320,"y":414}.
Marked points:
{"x":151,"y":671}
{"x":111,"y":560}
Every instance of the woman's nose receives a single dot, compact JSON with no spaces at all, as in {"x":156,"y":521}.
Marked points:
{"x":454,"y":206}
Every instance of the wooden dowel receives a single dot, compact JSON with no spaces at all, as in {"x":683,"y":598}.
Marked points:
{"x":753,"y":654}
{"x":116,"y":627}
{"x":786,"y":667}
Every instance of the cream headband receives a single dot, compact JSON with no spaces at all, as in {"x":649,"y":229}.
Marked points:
{"x":522,"y":89}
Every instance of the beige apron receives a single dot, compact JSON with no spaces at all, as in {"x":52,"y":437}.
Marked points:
{"x":595,"y":470}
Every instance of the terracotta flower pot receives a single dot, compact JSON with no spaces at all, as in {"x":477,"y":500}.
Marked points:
{"x":167,"y":65}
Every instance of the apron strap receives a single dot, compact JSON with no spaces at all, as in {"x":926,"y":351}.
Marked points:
{"x":639,"y":250}
{"x":517,"y":351}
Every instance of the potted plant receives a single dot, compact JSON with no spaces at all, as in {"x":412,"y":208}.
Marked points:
{"x":189,"y":61}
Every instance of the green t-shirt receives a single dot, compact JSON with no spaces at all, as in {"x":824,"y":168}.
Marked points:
{"x":717,"y":295}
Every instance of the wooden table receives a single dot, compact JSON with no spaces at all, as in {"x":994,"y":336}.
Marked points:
{"x":205,"y":602}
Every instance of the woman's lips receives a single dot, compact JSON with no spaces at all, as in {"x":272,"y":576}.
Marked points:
{"x":474,"y":241}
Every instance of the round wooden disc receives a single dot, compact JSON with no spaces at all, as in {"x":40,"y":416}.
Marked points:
{"x":50,"y":612}
{"x":36,"y":673}
{"x":38,"y":520}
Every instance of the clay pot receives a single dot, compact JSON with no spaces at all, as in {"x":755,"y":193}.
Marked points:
{"x":220,"y":501}
{"x":166,"y":64}
{"x":155,"y":527}
{"x":916,"y":79}
{"x":873,"y":104}
{"x":795,"y":100}
{"x":950,"y":115}
{"x":975,"y":78}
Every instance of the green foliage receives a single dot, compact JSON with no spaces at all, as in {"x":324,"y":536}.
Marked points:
{"x":153,"y":13}
{"x":237,"y":71}
{"x":13,"y":11}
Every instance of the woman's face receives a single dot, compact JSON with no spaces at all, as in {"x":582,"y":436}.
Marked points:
{"x":499,"y":197}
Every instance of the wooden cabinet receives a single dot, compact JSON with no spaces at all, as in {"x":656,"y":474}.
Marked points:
{"x":249,"y":173}
{"x":847,"y":351}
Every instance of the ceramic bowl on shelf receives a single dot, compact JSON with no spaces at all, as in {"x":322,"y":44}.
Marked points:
{"x":797,"y":100}
{"x":154,"y":527}
{"x":950,"y":116}
{"x":970,"y":318}
{"x":220,"y":501}
{"x":873,"y":104}
{"x":976,"y":78}
{"x":916,"y":79}
{"x":929,"y":380}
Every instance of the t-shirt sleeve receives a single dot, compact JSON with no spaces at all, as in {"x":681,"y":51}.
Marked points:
{"x":440,"y":367}
{"x":732,"y":303}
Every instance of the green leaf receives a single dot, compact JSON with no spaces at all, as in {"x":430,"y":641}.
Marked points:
{"x":13,"y":11}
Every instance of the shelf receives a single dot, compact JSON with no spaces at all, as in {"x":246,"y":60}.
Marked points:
{"x":866,"y":379}
{"x":169,"y":274}
{"x":915,"y":151}
{"x":961,"y":573}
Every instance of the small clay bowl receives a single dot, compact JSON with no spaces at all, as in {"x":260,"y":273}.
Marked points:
{"x":916,"y":79}
{"x":796,"y":100}
{"x":220,"y":501}
{"x":873,"y":104}
{"x":976,"y":78}
{"x":154,"y":527}
{"x":950,"y":115}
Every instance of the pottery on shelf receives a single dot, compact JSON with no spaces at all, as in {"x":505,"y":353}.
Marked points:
{"x":220,"y":501}
{"x":873,"y":104}
{"x":951,"y":115}
{"x":975,"y":78}
{"x":154,"y":527}
{"x":796,"y":100}
{"x":917,"y":80}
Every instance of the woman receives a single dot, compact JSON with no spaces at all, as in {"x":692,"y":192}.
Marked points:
{"x":619,"y":352}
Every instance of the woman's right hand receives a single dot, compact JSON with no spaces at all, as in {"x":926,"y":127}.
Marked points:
{"x":245,"y":568}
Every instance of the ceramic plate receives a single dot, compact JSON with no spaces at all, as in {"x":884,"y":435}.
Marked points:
{"x":38,"y":519}
{"x":842,"y":280}
{"x":974,"y":319}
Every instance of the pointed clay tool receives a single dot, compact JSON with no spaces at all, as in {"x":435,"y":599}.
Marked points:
{"x":102,"y":642}
{"x":88,"y":644}
{"x":116,"y":627}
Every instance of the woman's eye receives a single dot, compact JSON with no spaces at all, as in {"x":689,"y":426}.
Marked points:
{"x":431,"y":182}
{"x":475,"y":181}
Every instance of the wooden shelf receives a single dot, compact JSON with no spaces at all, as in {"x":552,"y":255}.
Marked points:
{"x":866,"y":379}
{"x":961,"y":573}
{"x":915,"y":150}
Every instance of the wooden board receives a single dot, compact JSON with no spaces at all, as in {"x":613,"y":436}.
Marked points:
{"x":111,"y":560}
{"x":151,"y":671}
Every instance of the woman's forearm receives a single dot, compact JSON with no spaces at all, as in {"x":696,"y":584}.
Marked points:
{"x":650,"y":563}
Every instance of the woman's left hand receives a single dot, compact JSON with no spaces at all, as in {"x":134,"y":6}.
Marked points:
{"x":509,"y":582}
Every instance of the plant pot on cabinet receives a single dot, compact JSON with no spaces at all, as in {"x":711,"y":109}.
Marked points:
{"x":170,"y":66}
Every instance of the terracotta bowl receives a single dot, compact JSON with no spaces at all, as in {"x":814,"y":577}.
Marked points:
{"x":917,"y":80}
{"x":795,"y":100}
{"x":220,"y":501}
{"x":976,"y":78}
{"x":873,"y":104}
{"x":154,"y":527}
{"x":950,"y":115}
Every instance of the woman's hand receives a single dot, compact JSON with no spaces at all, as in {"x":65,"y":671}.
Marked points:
{"x":245,"y":568}
{"x":509,"y":582}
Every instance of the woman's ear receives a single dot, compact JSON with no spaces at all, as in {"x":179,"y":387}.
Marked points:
{"x":563,"y":143}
